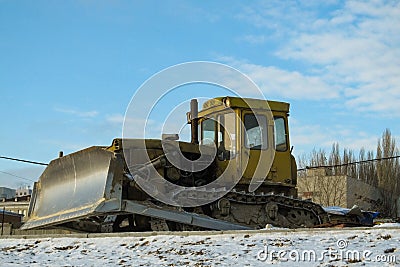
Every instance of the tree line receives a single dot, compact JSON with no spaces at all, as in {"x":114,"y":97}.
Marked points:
{"x":379,"y":168}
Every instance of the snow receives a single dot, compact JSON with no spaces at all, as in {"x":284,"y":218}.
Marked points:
{"x":388,"y":225}
{"x":332,"y":247}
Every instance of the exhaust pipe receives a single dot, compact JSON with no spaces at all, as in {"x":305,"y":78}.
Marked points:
{"x":194,"y":121}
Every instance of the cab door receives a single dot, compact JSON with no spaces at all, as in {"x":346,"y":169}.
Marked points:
{"x":281,"y":171}
{"x":221,"y":129}
{"x":227,"y":146}
{"x":257,"y":146}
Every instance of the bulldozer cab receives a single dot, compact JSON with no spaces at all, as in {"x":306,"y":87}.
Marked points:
{"x":248,"y":132}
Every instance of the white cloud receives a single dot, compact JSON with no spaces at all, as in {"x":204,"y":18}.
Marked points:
{"x":304,"y":136}
{"x":282,"y":83}
{"x":115,"y":118}
{"x":133,"y":127}
{"x":76,"y":112}
{"x":275,"y":15}
{"x":308,"y":135}
{"x":355,"y":46}
{"x":253,"y":39}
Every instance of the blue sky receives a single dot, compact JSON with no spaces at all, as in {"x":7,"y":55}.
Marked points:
{"x":68,"y":69}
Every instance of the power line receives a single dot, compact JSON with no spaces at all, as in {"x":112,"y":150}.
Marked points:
{"x":26,"y":161}
{"x":302,"y":169}
{"x":346,"y":164}
{"x":20,"y":177}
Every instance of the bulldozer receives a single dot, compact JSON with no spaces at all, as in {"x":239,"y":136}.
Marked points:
{"x":132,"y":184}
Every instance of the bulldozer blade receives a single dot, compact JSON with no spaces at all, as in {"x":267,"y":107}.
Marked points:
{"x":78,"y":185}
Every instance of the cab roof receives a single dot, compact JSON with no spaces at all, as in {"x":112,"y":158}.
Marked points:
{"x":244,"y":103}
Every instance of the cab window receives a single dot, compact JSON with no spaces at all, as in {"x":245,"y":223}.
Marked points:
{"x":280,"y":134}
{"x":208,"y":132}
{"x":256,"y":131}
{"x":227,"y":132}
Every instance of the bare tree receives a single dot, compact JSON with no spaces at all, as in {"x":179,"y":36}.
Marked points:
{"x":387,"y":173}
{"x":327,"y":189}
{"x":371,"y":177}
{"x":335,"y":159}
{"x":377,"y":171}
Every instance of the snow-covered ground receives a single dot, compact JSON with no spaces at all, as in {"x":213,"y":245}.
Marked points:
{"x":378,"y":246}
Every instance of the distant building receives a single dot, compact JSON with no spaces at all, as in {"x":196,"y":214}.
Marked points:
{"x":17,"y":202}
{"x":19,"y":206}
{"x":6,"y":193}
{"x":320,"y":186}
{"x":10,"y":217}
{"x":23,"y":191}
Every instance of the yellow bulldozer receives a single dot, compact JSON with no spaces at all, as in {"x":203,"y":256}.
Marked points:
{"x":136,"y":185}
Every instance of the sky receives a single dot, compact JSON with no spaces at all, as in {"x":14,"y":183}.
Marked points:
{"x":69,"y":69}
